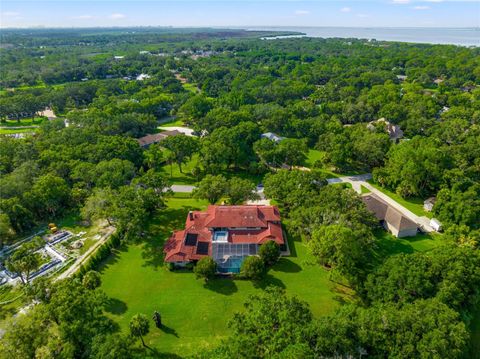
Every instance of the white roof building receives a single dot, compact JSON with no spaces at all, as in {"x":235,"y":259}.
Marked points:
{"x":436,"y":225}
{"x":142,"y":77}
{"x":272,"y":136}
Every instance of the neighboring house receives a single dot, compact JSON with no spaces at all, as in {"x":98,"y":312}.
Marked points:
{"x":148,"y":140}
{"x":429,"y":203}
{"x":401,"y":77}
{"x":469,"y":88}
{"x":444,"y":109}
{"x":142,"y":77}
{"x":228,"y":234}
{"x":436,"y":225}
{"x":437,"y":81}
{"x":272,"y":136}
{"x":48,"y":113}
{"x":391,"y":219}
{"x":394,"y":131}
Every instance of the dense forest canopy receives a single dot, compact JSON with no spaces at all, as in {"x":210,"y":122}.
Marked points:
{"x":230,"y":86}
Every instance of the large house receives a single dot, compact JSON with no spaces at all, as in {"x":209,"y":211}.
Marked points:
{"x":394,"y":131}
{"x":228,"y":234}
{"x":391,"y":219}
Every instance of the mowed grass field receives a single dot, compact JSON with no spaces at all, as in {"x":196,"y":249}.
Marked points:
{"x":195,"y":315}
{"x":173,"y":175}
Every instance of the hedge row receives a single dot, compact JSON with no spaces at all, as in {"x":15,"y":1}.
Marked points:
{"x":102,"y":253}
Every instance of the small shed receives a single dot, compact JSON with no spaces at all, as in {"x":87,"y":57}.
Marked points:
{"x":436,"y":225}
{"x":429,"y":203}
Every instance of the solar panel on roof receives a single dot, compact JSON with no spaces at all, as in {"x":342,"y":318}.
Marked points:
{"x":191,"y":239}
{"x":202,"y":248}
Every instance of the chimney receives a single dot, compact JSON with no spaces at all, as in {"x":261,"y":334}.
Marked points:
{"x":190,"y":215}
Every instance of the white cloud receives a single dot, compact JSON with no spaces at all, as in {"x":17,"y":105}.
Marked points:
{"x":83,"y":17}
{"x":421,"y":7}
{"x":363,"y":15}
{"x":346,"y":9}
{"x":302,"y":12}
{"x":117,"y":16}
{"x":10,"y":13}
{"x":433,"y":0}
{"x":401,"y":1}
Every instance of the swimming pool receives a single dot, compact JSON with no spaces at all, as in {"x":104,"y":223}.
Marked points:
{"x":231,"y":265}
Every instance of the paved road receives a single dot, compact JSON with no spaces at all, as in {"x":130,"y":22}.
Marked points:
{"x":182,"y":188}
{"x":360,"y":180}
{"x":185,"y":130}
{"x":188,"y":189}
{"x":84,"y":257}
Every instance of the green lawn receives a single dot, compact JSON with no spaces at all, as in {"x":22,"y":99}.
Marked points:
{"x":173,"y":123}
{"x":389,"y":245}
{"x":315,"y":155}
{"x":414,"y":205}
{"x":14,"y":298}
{"x":191,"y":87}
{"x":24,"y":122}
{"x":196,"y":315}
{"x":9,"y":131}
{"x":173,"y":174}
{"x":364,"y":189}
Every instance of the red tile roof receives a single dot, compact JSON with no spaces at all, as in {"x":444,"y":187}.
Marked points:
{"x":263,"y":221}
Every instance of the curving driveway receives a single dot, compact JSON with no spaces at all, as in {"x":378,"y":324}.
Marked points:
{"x":361,"y":180}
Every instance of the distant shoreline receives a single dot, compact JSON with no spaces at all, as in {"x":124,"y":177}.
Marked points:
{"x":460,"y":36}
{"x":468,"y":36}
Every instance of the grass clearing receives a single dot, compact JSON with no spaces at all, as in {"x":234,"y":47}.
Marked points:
{"x":14,"y":299}
{"x":196,"y":315}
{"x":191,"y":87}
{"x":364,"y":189}
{"x":389,"y":245}
{"x":414,"y":205}
{"x":24,"y":122}
{"x":11,"y":131}
{"x":315,"y":157}
{"x":174,"y":122}
{"x":173,"y":174}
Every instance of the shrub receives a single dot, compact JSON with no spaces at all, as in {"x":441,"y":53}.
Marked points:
{"x":91,"y":280}
{"x":102,"y":253}
{"x":205,"y":268}
{"x":269,"y":252}
{"x":252,"y":268}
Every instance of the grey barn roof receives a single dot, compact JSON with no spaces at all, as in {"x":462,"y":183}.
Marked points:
{"x":384,"y":212}
{"x":156,"y":137}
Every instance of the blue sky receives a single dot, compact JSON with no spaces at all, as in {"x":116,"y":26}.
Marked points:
{"x":249,"y":13}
